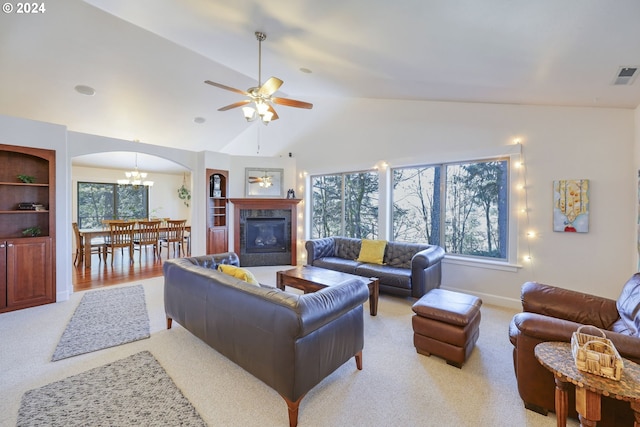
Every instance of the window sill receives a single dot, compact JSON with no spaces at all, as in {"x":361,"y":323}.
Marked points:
{"x":481,"y":263}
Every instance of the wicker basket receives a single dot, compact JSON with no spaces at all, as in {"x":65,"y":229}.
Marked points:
{"x":596,"y":354}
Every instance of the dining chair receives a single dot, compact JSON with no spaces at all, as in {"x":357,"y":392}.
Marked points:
{"x":174,"y":235}
{"x":98,"y":246}
{"x":187,"y":241}
{"x":106,"y":223}
{"x":120,"y":236}
{"x":147,"y":234}
{"x":163,"y":227}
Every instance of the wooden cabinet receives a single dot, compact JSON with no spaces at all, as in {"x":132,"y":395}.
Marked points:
{"x":27,"y":275}
{"x":217,"y":211}
{"x":27,"y":227}
{"x":218,"y":240}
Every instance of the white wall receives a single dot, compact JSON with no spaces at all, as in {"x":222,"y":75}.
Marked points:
{"x":558,"y":143}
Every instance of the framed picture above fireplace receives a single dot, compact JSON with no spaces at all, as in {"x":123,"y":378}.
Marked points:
{"x":264,"y":182}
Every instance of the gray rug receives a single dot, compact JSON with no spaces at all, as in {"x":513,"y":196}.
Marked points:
{"x":105,"y":318}
{"x":135,"y":391}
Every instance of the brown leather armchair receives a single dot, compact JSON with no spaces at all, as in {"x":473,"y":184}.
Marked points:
{"x":553,"y":314}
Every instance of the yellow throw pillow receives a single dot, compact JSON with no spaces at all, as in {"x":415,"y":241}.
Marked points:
{"x":238,"y":273}
{"x":372,"y":251}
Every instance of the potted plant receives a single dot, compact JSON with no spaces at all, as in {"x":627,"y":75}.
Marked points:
{"x":27,"y":179}
{"x":32,"y":232}
{"x":184,"y":194}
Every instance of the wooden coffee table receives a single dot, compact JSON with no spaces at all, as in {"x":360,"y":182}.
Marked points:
{"x":308,"y":279}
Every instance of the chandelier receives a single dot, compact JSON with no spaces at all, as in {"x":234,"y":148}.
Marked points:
{"x":135,"y":177}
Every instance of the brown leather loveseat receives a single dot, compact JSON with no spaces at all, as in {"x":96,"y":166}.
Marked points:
{"x":553,"y":314}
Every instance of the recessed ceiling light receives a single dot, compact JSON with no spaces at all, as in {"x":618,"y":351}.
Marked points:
{"x":199,"y":120}
{"x":306,"y":70}
{"x":85,"y":90}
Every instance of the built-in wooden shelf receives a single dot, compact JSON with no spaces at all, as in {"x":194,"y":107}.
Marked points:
{"x":217,"y":223}
{"x":27,"y":264}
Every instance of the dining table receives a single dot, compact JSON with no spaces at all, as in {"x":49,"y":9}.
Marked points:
{"x":86,"y":234}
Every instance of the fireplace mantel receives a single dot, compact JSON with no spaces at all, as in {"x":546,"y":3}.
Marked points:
{"x":256,"y":203}
{"x":265,"y":204}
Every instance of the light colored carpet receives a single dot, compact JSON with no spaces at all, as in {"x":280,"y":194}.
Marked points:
{"x":134,"y":391}
{"x":105,"y":318}
{"x":397,"y":387}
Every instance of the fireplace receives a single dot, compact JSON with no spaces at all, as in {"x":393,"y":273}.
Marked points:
{"x":265,"y":235}
{"x":265,"y":231}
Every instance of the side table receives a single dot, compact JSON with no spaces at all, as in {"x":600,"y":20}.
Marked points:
{"x":557,"y":357}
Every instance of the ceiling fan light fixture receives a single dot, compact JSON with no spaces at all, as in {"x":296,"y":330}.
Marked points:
{"x":249,"y":113}
{"x":261,"y":95}
{"x":262,"y":108}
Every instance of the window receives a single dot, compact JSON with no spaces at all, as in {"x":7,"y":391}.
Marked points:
{"x":462,"y":207}
{"x":345,"y":205}
{"x":97,"y":201}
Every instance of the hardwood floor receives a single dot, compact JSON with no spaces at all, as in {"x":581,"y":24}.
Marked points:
{"x":103,"y":274}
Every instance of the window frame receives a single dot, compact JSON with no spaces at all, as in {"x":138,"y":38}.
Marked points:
{"x":115,"y":198}
{"x":515,"y":184}
{"x":342,"y":198}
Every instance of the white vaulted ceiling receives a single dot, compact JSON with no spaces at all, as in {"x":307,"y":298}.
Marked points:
{"x":147,"y":59}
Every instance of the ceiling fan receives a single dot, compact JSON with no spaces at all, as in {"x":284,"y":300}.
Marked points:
{"x":261,"y":95}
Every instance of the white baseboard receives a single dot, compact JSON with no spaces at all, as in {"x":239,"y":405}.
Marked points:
{"x":491,"y":299}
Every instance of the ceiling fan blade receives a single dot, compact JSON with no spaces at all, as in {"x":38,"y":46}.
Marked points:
{"x":221,"y":86}
{"x":273,"y":111}
{"x":234,"y":105}
{"x":292,"y":103}
{"x":270,"y":86}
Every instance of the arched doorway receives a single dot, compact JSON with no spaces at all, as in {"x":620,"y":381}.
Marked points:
{"x":105,"y":173}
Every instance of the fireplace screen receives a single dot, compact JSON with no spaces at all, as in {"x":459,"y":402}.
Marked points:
{"x":265,"y":235}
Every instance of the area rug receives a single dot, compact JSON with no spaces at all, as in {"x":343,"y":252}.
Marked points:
{"x":105,"y":318}
{"x":135,"y":391}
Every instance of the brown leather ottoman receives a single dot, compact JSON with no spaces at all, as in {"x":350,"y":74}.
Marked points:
{"x":446,"y":324}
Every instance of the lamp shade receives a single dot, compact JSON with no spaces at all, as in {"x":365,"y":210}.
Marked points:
{"x":249,"y":113}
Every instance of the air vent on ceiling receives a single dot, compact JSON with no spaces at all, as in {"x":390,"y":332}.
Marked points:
{"x":625,"y":76}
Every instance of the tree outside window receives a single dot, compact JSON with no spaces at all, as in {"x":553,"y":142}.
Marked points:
{"x":99,"y":201}
{"x":473,"y":200}
{"x":345,"y":205}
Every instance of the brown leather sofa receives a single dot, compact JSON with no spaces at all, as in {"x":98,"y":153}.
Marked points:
{"x":289,"y":341}
{"x":553,"y":314}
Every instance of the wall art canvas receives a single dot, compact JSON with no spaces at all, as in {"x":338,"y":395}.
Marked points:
{"x":571,"y":205}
